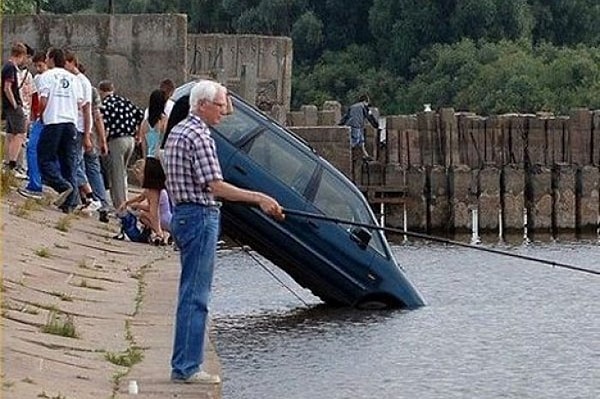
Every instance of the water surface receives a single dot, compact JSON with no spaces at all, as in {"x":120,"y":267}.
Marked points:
{"x":494,"y":327}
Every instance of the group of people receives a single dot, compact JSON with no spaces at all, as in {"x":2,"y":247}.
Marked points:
{"x":79,"y":138}
{"x":188,"y":176}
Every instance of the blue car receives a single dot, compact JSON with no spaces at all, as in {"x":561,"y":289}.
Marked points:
{"x":342,"y":264}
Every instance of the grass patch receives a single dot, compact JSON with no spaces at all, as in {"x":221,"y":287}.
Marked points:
{"x":43,"y":252}
{"x":130,"y":357}
{"x":24,"y":208}
{"x":63,"y":296}
{"x":44,"y":395}
{"x":64,"y":223}
{"x":8,"y":181}
{"x":28,"y":380}
{"x":60,"y":324}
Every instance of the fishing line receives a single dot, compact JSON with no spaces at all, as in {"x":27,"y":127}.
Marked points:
{"x":438,"y":239}
{"x":279,"y":280}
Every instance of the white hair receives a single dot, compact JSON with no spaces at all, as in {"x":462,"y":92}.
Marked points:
{"x":205,"y":90}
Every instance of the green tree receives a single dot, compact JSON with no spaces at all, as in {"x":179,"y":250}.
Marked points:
{"x":307,"y":36}
{"x":21,"y":6}
{"x":272,"y":17}
{"x":566,"y":22}
{"x":343,"y":76}
{"x":491,"y":19}
{"x":346,"y":22}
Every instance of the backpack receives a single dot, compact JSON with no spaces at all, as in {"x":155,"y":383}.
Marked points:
{"x":131,"y":230}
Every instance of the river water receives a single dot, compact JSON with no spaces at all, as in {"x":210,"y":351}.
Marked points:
{"x":494,"y":327}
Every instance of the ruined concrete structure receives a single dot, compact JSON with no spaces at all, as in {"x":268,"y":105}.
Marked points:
{"x":513,"y":169}
{"x":137,"y":51}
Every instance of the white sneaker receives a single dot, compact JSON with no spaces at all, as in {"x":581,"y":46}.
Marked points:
{"x":30,"y":194}
{"x":201,"y":377}
{"x":93,"y":205}
{"x":20,"y":173}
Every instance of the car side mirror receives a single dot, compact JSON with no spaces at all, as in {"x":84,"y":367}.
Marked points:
{"x":361,"y":236}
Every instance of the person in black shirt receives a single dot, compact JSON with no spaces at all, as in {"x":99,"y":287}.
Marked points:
{"x":12,"y":106}
{"x":122,"y":119}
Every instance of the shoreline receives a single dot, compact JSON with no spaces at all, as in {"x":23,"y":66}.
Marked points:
{"x":107,"y":307}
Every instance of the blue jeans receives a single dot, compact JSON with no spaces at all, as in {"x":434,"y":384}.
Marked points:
{"x":80,"y":177}
{"x":33,"y":170}
{"x":57,"y":159}
{"x":93,"y":171}
{"x":195,"y":229}
{"x":357,"y":136}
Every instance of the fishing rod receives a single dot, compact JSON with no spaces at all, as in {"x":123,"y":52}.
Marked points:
{"x":437,"y":239}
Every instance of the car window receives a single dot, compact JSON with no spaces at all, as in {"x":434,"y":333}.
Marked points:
{"x":335,"y":199}
{"x":237,"y":126}
{"x":283,"y":160}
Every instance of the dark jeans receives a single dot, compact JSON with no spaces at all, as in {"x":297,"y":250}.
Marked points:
{"x":57,"y":157}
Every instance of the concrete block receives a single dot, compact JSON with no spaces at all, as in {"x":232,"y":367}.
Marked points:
{"x":565,"y":197}
{"x":489,"y":198}
{"x":513,"y":198}
{"x":589,"y":205}
{"x":461,"y":182}
{"x":537,"y":142}
{"x":540,"y":215}
{"x":311,"y":115}
{"x":449,"y":133}
{"x":327,"y":118}
{"x":596,"y":138}
{"x":296,"y":118}
{"x":439,"y":201}
{"x":416,"y":203}
{"x":558,"y":140}
{"x":580,"y":129}
{"x":494,"y":141}
{"x":336,"y":108}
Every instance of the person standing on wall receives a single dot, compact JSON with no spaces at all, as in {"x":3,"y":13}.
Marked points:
{"x":355,"y":118}
{"x":194,"y":182}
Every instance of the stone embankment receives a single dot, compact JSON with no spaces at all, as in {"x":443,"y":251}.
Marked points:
{"x":83,"y":314}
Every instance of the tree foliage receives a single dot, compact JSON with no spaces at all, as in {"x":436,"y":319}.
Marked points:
{"x":487,"y":56}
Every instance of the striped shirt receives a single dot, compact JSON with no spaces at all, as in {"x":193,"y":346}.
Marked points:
{"x":191,"y":162}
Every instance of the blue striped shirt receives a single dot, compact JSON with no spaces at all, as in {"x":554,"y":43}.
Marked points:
{"x":191,"y":162}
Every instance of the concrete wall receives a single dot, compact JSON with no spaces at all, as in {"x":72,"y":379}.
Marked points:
{"x":540,"y":172}
{"x":268,"y":58}
{"x":134,"y":51}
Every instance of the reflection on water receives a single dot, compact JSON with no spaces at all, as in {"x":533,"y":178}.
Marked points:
{"x":494,"y":327}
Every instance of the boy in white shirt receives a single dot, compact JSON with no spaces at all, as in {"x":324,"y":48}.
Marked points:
{"x":60,"y":97}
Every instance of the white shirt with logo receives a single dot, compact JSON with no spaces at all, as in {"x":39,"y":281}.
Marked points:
{"x":63,"y":93}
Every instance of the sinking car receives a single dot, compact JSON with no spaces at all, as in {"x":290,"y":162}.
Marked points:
{"x":342,"y":264}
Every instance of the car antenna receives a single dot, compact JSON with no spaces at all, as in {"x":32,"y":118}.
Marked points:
{"x":308,"y":215}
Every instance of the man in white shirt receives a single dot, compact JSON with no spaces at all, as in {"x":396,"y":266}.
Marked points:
{"x":60,"y":97}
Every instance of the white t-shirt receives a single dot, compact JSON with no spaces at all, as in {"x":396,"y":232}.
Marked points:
{"x":63,"y":93}
{"x":86,"y":87}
